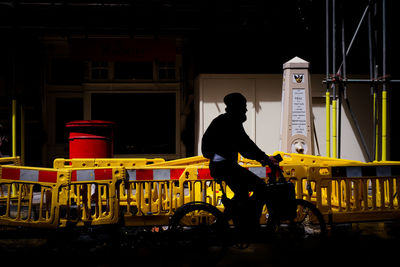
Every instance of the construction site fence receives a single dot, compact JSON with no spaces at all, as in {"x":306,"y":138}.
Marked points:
{"x":28,"y":196}
{"x":139,"y":192}
{"x":356,"y":193}
{"x":356,"y":196}
{"x":48,"y":198}
{"x":152,"y":195}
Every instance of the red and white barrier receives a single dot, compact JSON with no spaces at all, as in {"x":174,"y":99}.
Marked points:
{"x":29,"y":175}
{"x":91,"y":175}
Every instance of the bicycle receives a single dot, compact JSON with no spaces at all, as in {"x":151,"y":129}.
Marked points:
{"x":202,"y":226}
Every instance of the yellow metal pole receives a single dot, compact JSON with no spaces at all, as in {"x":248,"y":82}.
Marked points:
{"x":334,"y":130}
{"x":376,"y":116}
{"x":22,"y":135}
{"x":14,"y":127}
{"x":384,"y":123}
{"x":14,"y":138}
{"x":328,"y":123}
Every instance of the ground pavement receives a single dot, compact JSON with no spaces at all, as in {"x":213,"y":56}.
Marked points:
{"x":358,"y":244}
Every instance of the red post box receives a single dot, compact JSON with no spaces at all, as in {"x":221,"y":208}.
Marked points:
{"x":90,"y":139}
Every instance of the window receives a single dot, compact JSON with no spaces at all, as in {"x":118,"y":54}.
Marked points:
{"x":167,"y":71}
{"x":100,"y":71}
{"x":130,"y":71}
{"x":145,"y":122}
{"x":133,"y":70}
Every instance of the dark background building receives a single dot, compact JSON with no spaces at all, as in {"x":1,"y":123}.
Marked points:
{"x":135,"y":62}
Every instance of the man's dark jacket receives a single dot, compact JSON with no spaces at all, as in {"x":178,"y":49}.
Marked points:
{"x":226,"y":137}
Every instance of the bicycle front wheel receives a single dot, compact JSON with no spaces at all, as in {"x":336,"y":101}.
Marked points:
{"x":309,"y":220}
{"x":308,"y":223}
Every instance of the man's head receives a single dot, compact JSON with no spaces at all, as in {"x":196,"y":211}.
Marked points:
{"x":236,"y":106}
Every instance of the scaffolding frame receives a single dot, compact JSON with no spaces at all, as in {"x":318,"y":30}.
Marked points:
{"x":336,"y":83}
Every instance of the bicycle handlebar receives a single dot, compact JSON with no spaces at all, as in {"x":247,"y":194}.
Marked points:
{"x":274,"y":168}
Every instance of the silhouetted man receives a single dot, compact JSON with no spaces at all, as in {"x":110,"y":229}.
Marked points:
{"x":221,"y":143}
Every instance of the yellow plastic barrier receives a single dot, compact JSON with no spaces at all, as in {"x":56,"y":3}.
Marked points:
{"x":364,"y":192}
{"x":148,"y":191}
{"x":152,"y":194}
{"x":48,"y":198}
{"x":295,"y":169}
{"x":105,"y":162}
{"x":28,"y":196}
{"x":344,"y":190}
{"x":91,"y":196}
{"x":197,"y":160}
{"x":302,"y":160}
{"x":10,"y":161}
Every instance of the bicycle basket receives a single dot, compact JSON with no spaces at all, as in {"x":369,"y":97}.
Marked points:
{"x":281,"y":199}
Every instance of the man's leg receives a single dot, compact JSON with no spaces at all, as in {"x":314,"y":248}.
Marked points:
{"x":242,"y":181}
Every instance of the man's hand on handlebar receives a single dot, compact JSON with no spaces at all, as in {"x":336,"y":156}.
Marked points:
{"x":270,"y":160}
{"x":273,"y":163}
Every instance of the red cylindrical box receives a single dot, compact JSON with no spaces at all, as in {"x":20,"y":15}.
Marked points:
{"x":90,"y":139}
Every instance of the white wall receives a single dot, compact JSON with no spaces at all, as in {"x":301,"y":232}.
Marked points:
{"x":263,"y":93}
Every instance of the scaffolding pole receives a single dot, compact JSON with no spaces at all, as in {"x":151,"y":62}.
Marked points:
{"x":384,"y":89}
{"x":334,"y":99}
{"x":372,"y":76}
{"x":338,"y":81}
{"x":327,"y":94}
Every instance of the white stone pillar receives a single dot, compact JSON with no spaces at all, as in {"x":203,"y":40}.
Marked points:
{"x":297,"y":135}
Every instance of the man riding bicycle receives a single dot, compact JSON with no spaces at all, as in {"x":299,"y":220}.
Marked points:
{"x":221,"y":143}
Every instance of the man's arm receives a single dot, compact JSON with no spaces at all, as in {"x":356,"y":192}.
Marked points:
{"x":250,"y":150}
{"x":247,"y":148}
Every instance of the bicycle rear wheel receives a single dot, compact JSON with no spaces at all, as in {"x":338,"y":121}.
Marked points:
{"x":199,"y":230}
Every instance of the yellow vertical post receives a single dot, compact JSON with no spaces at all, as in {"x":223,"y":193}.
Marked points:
{"x":22,"y":135}
{"x":14,"y":127}
{"x":376,"y":116}
{"x":384,"y":123}
{"x":328,"y":123}
{"x":14,"y":138}
{"x":334,"y":130}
